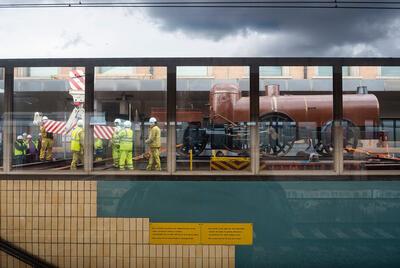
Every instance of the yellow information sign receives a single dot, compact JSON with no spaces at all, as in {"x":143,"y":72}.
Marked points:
{"x":227,"y":234}
{"x":175,"y":233}
{"x":201,"y":233}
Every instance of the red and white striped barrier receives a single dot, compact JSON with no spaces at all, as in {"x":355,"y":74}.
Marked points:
{"x":77,"y":80}
{"x":103,"y":132}
{"x":58,"y":127}
{"x":55,"y":127}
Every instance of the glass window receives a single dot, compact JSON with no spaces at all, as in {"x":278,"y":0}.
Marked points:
{"x":43,"y":72}
{"x":390,"y":71}
{"x":46,"y":115}
{"x":324,"y":71}
{"x":295,"y":122}
{"x":346,"y":71}
{"x":192,"y":71}
{"x":1,"y":114}
{"x":126,"y":137}
{"x":271,"y":71}
{"x":397,"y":133}
{"x":212,"y":118}
{"x":371,"y":113}
{"x":117,"y":71}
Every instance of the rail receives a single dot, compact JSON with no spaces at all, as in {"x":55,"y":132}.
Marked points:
{"x":23,"y":255}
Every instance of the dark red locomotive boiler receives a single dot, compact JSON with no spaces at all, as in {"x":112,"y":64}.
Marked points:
{"x":284,"y":119}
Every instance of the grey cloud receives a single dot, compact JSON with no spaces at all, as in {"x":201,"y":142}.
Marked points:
{"x":307,"y":32}
{"x":72,"y":41}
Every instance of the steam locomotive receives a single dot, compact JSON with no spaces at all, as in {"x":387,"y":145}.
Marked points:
{"x":284,"y":119}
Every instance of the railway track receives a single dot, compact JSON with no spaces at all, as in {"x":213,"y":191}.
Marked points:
{"x":43,"y":165}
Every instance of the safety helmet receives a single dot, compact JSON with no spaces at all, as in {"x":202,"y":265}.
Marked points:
{"x":19,"y":137}
{"x":29,"y":136}
{"x":80,"y":123}
{"x":152,"y":120}
{"x":24,"y":134}
{"x":127,"y":124}
{"x":117,"y":121}
{"x":44,"y":118}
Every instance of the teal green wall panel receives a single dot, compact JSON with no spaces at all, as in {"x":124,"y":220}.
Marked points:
{"x":296,"y":224}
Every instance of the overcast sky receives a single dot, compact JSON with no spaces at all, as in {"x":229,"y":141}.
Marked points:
{"x":161,"y":32}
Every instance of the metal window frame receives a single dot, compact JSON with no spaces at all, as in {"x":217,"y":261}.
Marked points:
{"x":171,"y":63}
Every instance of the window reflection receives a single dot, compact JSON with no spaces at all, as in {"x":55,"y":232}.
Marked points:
{"x":129,"y":121}
{"x":376,"y":128}
{"x":48,"y":104}
{"x":1,"y":114}
{"x":295,"y":120}
{"x":213,"y":111}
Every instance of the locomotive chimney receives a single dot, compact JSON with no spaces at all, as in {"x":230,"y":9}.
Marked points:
{"x":362,"y":90}
{"x":272,"y":90}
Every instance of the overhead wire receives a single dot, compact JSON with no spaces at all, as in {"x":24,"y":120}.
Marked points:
{"x":273,"y":4}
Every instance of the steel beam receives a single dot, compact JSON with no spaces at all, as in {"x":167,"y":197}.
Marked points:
{"x":8,"y":118}
{"x":222,"y":61}
{"x":337,"y":118}
{"x":89,"y":110}
{"x":171,"y":118}
{"x":254,"y":116}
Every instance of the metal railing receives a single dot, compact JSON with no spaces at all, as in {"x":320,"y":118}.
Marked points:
{"x":23,"y":255}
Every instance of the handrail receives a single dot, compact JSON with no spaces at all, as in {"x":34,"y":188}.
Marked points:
{"x":23,"y":255}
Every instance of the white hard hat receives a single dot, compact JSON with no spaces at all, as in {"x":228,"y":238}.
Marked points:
{"x":117,"y":121}
{"x":152,"y":120}
{"x":80,"y":123}
{"x":44,"y":118}
{"x":24,"y":134}
{"x":19,"y":137}
{"x":127,"y":124}
{"x":29,"y":136}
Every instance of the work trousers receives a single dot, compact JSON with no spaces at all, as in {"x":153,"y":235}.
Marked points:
{"x":46,"y":149}
{"x":76,"y":157}
{"x":98,"y":153}
{"x":154,"y":160}
{"x":125,"y":159}
{"x":115,"y":155}
{"x":19,"y":159}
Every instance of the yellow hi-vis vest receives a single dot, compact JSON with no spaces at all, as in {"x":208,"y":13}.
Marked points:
{"x":125,"y":139}
{"x":98,"y":144}
{"x":19,"y":148}
{"x":115,"y":138}
{"x":76,"y":139}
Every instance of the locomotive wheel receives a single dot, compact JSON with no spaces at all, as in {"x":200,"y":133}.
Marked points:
{"x":193,"y":140}
{"x":277,"y":134}
{"x":351,"y":134}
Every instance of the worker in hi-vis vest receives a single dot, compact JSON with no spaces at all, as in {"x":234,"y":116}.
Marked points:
{"x":125,"y":146}
{"x":46,"y":147}
{"x":98,"y":149}
{"x":154,"y":142}
{"x":19,"y":150}
{"x":77,"y":137}
{"x":115,"y":142}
